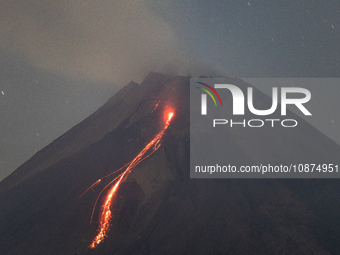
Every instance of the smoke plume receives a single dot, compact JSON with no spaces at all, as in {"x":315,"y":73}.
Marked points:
{"x":107,"y":41}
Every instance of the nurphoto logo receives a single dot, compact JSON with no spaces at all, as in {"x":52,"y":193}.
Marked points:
{"x":238,"y":98}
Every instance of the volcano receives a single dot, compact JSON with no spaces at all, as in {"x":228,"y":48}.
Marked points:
{"x":158,"y":209}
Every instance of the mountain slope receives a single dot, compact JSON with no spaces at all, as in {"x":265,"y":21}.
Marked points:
{"x":159,"y":209}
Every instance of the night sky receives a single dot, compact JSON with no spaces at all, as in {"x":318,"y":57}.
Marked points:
{"x":60,"y":60}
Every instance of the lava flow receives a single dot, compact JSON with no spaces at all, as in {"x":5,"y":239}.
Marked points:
{"x":106,"y":213}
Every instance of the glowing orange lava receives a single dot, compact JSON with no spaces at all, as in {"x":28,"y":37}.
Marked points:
{"x":106,"y":213}
{"x":168,"y":114}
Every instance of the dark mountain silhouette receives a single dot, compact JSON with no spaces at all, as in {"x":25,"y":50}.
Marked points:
{"x":159,"y":209}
